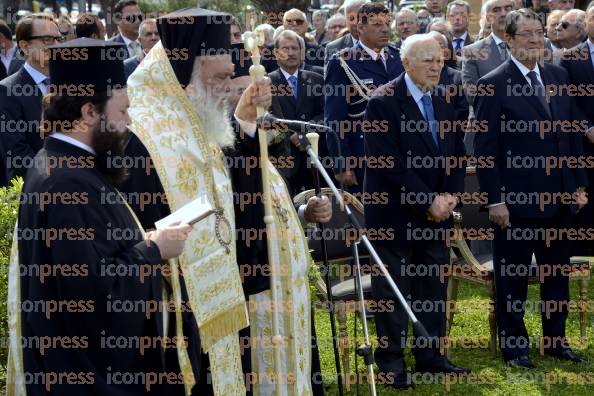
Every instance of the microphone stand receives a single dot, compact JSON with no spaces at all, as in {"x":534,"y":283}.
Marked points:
{"x":418,"y":327}
{"x":313,"y":138}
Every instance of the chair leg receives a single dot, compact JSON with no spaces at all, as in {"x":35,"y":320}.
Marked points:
{"x":450,"y":311}
{"x":343,"y":336}
{"x":492,"y":322}
{"x":583,"y":307}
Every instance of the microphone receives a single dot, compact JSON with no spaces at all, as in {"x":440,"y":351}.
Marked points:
{"x":268,"y":121}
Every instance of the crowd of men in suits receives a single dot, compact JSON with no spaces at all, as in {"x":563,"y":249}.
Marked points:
{"x":434,"y":94}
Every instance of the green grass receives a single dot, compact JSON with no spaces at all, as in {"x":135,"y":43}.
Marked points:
{"x":492,"y":376}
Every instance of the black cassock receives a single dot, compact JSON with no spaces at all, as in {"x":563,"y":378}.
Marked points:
{"x":246,"y":178}
{"x":98,"y":314}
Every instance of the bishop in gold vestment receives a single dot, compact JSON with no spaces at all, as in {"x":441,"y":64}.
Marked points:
{"x":179,"y":111}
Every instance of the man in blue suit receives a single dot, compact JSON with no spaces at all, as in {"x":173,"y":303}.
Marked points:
{"x":351,"y":77}
{"x":415,"y":168}
{"x":529,"y":133}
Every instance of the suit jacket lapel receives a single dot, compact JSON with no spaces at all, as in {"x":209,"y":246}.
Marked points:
{"x":588,"y":66}
{"x":517,"y":79}
{"x":547,"y":79}
{"x":495,"y":54}
{"x":392,"y":66}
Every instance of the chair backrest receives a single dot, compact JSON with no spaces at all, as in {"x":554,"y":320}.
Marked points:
{"x":339,"y":232}
{"x":472,"y":215}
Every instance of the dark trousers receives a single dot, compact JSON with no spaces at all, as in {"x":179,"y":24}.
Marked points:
{"x":415,"y":270}
{"x":513,"y":250}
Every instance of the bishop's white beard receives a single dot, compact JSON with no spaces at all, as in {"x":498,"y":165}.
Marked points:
{"x":213,"y":113}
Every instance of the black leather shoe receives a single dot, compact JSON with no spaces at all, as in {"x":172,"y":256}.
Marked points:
{"x":566,"y":354}
{"x":522,"y":362}
{"x":444,"y":366}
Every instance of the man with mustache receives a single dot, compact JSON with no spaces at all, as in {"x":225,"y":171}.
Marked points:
{"x":407,"y":24}
{"x":88,"y":281}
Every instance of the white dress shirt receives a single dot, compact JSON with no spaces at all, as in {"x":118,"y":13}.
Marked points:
{"x":134,"y":49}
{"x":37,"y":76}
{"x":524,"y":70}
{"x":374,"y":54}
{"x":287,"y":75}
{"x":72,"y":141}
{"x":463,"y":37}
{"x":416,"y":93}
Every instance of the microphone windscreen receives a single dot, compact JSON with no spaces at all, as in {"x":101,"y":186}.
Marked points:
{"x":313,"y":139}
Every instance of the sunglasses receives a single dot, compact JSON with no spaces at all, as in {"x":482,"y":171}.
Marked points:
{"x":565,"y":25}
{"x":48,"y":40}
{"x":131,"y":18}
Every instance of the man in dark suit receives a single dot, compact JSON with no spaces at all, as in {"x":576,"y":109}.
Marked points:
{"x":349,"y":39}
{"x":148,"y":35}
{"x":481,"y":57}
{"x":21,"y":94}
{"x":457,"y":15}
{"x":351,"y":77}
{"x":128,"y":17}
{"x":419,"y":197}
{"x":579,"y":63}
{"x":520,"y":124}
{"x":298,"y":96}
{"x":10,"y":58}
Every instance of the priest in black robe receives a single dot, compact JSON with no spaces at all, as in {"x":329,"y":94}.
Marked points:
{"x":91,"y":282}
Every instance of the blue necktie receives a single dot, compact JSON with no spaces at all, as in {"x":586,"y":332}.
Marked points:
{"x":293,"y":82}
{"x":430,"y":117}
{"x":458,"y":47}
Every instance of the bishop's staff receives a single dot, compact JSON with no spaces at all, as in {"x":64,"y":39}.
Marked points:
{"x":253,"y":40}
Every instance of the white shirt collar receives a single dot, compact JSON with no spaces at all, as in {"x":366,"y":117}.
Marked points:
{"x":413,"y":89}
{"x":287,"y":75}
{"x":73,"y":141}
{"x":463,"y":37}
{"x":35,"y":74}
{"x":374,"y":54}
{"x":524,"y":70}
{"x":497,"y":39}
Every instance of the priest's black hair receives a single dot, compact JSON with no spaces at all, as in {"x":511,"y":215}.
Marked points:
{"x":59,"y":112}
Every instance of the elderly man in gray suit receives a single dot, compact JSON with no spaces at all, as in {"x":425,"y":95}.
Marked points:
{"x":484,"y":55}
{"x":351,"y":7}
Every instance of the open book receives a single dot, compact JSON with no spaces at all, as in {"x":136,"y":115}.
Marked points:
{"x":190,"y":213}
